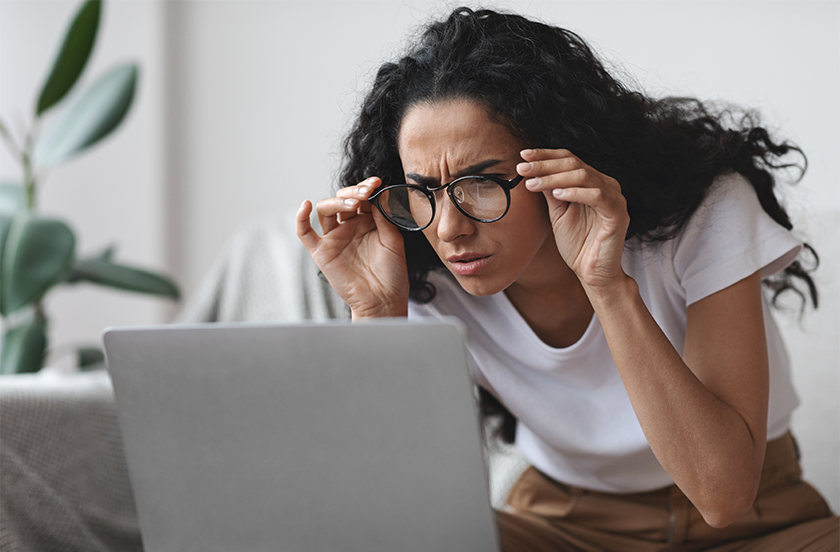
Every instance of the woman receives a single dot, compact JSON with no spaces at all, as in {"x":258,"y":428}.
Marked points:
{"x":606,"y":252}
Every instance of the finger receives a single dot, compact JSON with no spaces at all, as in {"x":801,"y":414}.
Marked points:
{"x":310,"y":238}
{"x":332,"y":206}
{"x":328,"y":209}
{"x":349,"y":202}
{"x":366,"y":189}
{"x":556,"y":206}
{"x":362,"y":191}
{"x":536,"y":154}
{"x":577,"y":178}
{"x":360,"y":210}
{"x":353,"y":207}
{"x":390,"y":236}
{"x":604,"y":203}
{"x":544,"y":167}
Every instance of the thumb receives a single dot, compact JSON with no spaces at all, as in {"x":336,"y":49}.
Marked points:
{"x":389,"y":235}
{"x":556,"y":207}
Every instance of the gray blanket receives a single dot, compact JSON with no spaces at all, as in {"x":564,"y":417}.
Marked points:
{"x":63,"y":479}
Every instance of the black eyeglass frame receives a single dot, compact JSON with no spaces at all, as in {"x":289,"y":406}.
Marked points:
{"x":506,"y":185}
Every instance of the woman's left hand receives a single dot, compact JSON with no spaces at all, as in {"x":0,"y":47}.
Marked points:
{"x":588,"y":213}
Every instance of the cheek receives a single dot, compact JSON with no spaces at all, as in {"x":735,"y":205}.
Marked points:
{"x":529,"y":211}
{"x":431,"y":236}
{"x":529,"y":227}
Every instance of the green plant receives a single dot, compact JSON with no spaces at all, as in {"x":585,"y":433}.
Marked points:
{"x":38,"y":253}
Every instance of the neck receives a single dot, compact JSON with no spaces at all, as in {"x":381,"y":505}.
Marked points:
{"x":552,"y":301}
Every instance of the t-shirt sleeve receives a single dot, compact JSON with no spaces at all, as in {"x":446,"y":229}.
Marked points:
{"x":728,"y":238}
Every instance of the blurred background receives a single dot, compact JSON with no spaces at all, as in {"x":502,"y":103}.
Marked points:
{"x":242,"y":105}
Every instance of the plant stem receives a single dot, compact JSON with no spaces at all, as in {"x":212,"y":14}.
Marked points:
{"x":28,"y":180}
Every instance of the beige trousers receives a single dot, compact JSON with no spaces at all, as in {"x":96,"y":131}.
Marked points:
{"x":789,"y":515}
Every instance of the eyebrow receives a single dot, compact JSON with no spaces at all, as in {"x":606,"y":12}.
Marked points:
{"x":431,"y":181}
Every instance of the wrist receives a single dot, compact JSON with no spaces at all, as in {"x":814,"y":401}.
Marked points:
{"x":381,"y":311}
{"x":612,"y":293}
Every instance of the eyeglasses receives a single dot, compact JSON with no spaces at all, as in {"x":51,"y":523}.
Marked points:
{"x":411,"y":207}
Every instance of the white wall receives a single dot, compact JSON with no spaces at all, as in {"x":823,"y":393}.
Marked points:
{"x":266,"y":88}
{"x":243,"y":105}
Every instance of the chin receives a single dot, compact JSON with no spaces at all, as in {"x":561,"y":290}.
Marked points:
{"x":480,"y":287}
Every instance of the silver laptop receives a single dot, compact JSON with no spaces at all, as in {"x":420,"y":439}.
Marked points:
{"x":311,"y":437}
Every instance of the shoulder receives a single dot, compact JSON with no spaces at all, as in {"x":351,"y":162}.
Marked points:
{"x":729,"y":237}
{"x":730,"y":199}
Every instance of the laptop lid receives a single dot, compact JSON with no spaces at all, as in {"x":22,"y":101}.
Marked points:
{"x":310,"y":437}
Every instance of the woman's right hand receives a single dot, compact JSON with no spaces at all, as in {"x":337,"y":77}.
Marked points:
{"x":360,"y":253}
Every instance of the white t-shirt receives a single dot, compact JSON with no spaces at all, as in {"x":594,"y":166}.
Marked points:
{"x":575,"y":420}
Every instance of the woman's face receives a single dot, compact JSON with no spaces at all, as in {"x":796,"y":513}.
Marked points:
{"x":442,"y":141}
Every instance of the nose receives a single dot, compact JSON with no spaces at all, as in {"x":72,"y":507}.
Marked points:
{"x":451,"y":223}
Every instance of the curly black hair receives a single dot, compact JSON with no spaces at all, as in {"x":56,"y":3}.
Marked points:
{"x":547,"y":87}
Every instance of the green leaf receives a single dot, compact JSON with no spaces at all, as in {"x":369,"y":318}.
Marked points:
{"x":90,"y":356}
{"x":37,"y":254}
{"x":24,"y":347}
{"x":12,"y":198}
{"x":109,"y":274}
{"x":89,"y":117}
{"x":72,"y":56}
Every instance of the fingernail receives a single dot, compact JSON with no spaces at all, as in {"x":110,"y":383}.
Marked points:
{"x":558,"y":193}
{"x":363,"y":189}
{"x":351,"y":202}
{"x":523,"y":167}
{"x":526,"y":152}
{"x":532,"y":183}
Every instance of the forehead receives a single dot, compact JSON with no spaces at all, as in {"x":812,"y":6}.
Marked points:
{"x":452,"y":134}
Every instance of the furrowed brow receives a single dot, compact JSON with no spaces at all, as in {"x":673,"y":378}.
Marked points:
{"x":430,"y":181}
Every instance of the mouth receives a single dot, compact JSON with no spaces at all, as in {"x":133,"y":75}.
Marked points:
{"x":467,"y":264}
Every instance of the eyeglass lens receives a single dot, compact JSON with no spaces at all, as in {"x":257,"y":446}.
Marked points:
{"x":409,"y":207}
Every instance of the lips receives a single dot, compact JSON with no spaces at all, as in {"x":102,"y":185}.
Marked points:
{"x":467,"y":264}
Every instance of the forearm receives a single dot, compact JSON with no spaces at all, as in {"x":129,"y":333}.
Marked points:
{"x":706,"y":445}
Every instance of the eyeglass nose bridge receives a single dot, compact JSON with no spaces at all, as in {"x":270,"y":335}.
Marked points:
{"x":457,"y":196}
{"x":458,"y":193}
